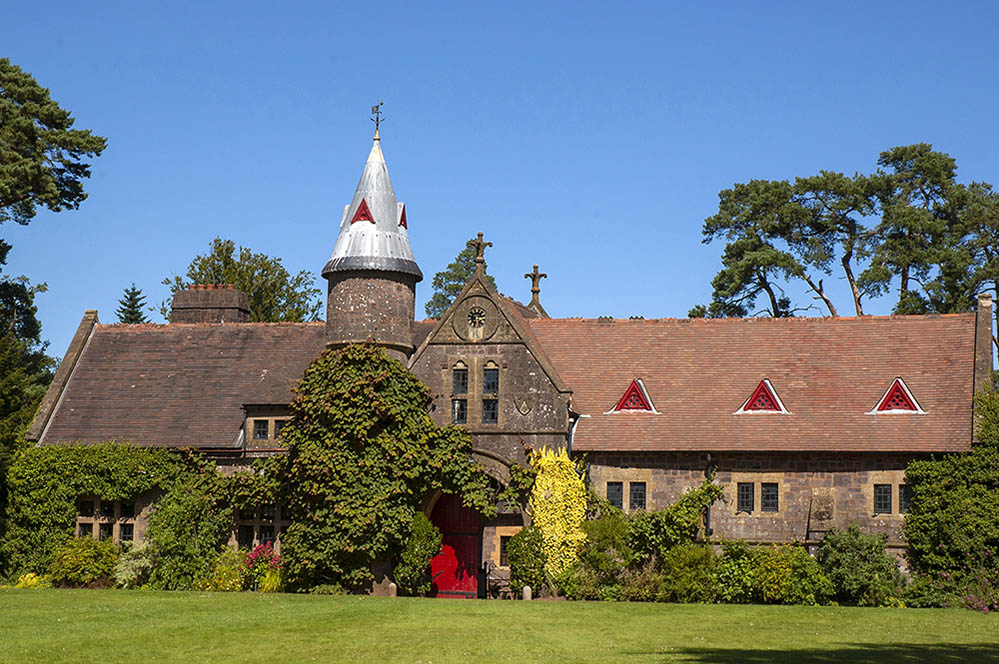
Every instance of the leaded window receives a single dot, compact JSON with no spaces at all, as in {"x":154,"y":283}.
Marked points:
{"x":745,"y":500}
{"x":490,"y":381}
{"x":459,"y":411}
{"x":105,"y":531}
{"x":126,"y":532}
{"x":904,"y":498}
{"x":636,"y":496}
{"x":490,"y":411}
{"x":769,"y":498}
{"x":278,"y":425}
{"x":882,"y":498}
{"x":504,"y":559}
{"x":127,"y":510}
{"x":107,"y":509}
{"x":244,"y":536}
{"x":266,"y":534}
{"x":85,"y":507}
{"x":85,"y":529}
{"x":459,"y":381}
{"x":260,"y":429}
{"x":615,"y":494}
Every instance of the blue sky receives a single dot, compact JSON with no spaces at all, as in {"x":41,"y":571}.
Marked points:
{"x":589,"y":138}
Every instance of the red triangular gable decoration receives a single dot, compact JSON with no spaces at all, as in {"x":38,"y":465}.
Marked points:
{"x":896,"y":398}
{"x":362,"y":213}
{"x":763,"y":399}
{"x":634,"y":399}
{"x":402,"y":218}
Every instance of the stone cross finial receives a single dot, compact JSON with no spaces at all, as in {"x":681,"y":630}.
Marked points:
{"x":480,"y":248}
{"x":536,"y":278}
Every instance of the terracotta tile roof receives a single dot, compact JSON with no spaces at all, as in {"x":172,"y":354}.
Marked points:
{"x":180,"y":384}
{"x":828,"y":372}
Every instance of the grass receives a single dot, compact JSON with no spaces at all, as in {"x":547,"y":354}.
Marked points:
{"x":146,"y":626}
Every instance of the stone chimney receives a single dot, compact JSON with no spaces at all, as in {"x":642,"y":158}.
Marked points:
{"x":210,"y":303}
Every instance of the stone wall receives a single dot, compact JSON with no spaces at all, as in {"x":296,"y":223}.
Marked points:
{"x":531,"y":413}
{"x":816,"y":492}
{"x":376,"y":306}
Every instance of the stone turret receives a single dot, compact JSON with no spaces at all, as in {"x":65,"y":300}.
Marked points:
{"x":372,"y":274}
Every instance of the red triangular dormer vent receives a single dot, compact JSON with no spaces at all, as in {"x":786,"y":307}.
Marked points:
{"x":634,"y":398}
{"x":402,"y":217}
{"x":362,"y":213}
{"x":763,"y":400}
{"x":898,"y":399}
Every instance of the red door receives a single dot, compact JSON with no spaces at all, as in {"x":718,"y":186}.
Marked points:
{"x":456,"y":568}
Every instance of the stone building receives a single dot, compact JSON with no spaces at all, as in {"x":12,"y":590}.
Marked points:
{"x":807,"y":423}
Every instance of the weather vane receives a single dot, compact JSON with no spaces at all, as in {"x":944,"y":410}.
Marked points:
{"x":376,"y":111}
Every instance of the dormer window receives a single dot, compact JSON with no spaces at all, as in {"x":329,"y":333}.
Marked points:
{"x":763,"y":400}
{"x":260,"y":429}
{"x":635,"y":399}
{"x":897,"y":399}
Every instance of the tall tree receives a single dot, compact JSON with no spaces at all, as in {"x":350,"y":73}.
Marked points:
{"x":837,"y":205}
{"x":130,"y":306}
{"x":275,"y":295}
{"x":448,"y":282}
{"x":914,"y":185}
{"x":979,"y":224}
{"x":41,"y":155}
{"x":759,"y":219}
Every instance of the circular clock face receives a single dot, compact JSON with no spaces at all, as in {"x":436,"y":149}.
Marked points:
{"x":475,"y":319}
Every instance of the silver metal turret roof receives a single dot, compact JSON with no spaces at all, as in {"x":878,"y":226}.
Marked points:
{"x":373,"y":234}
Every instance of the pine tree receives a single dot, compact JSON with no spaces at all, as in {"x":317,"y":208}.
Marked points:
{"x":449,"y":281}
{"x":131,"y":303}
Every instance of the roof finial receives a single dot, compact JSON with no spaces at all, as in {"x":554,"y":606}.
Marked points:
{"x":376,"y":112}
{"x":536,"y":278}
{"x":480,"y":248}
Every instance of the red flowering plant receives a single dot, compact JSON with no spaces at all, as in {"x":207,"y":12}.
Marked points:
{"x":260,"y":562}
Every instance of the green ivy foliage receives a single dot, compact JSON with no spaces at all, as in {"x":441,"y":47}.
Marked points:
{"x":188,"y":528}
{"x":412,"y":573}
{"x":44,"y":483}
{"x":363,"y":456}
{"x":653,"y":534}
{"x":952,"y":527}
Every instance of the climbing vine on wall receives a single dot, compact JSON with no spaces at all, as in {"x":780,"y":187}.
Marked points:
{"x":558,"y":507}
{"x":45,"y":483}
{"x":363,"y":455}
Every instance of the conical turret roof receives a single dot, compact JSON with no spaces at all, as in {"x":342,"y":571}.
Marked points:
{"x":373,"y":231}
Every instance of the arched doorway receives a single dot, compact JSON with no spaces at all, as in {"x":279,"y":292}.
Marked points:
{"x":456,"y":568}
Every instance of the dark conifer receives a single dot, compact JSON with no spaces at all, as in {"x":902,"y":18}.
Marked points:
{"x":130,"y":306}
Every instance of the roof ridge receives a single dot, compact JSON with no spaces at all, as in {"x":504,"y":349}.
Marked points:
{"x":760,"y":319}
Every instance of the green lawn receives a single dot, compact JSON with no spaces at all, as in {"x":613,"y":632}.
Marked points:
{"x":141,"y":626}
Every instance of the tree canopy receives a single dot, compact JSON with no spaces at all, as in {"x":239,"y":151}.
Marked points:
{"x":448,"y":282}
{"x":275,"y":295}
{"x":42,"y":158}
{"x":130,"y":306}
{"x":909,"y":227}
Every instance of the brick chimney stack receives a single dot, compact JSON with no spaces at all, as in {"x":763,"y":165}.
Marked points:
{"x":210,"y":303}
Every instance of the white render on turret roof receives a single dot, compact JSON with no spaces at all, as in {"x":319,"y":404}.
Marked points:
{"x":382,"y":242}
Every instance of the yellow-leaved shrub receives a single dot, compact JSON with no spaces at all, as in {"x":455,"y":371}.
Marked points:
{"x":558,"y":507}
